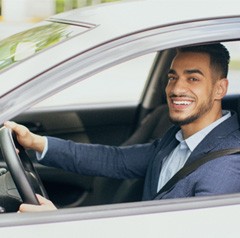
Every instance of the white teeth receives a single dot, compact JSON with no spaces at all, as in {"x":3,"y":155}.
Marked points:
{"x":182,"y":102}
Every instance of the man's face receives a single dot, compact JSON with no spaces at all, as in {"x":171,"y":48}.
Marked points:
{"x":191,"y":88}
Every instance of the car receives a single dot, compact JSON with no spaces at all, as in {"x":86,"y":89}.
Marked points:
{"x":97,"y":75}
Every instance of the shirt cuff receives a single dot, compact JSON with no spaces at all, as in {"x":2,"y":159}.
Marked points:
{"x":39,"y":155}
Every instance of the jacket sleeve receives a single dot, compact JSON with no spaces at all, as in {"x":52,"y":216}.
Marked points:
{"x":99,"y":160}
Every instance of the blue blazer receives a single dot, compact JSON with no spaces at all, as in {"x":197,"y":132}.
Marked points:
{"x":220,"y":176}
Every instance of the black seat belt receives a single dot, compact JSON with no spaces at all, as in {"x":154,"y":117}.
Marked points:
{"x":188,"y":169}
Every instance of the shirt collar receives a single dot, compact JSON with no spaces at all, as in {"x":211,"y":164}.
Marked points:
{"x":193,"y":141}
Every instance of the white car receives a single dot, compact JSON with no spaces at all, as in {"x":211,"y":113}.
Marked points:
{"x":95,"y":75}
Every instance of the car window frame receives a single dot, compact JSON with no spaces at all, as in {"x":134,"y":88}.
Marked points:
{"x":123,"y":210}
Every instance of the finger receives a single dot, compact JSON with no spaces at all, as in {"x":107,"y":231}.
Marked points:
{"x":37,"y":208}
{"x":43,"y":201}
{"x":19,"y":129}
{"x":10,"y":124}
{"x":30,"y":208}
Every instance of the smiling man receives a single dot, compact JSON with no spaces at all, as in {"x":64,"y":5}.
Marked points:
{"x":197,"y":82}
{"x":196,"y":86}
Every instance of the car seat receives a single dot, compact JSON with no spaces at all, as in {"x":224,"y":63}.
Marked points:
{"x":153,"y":126}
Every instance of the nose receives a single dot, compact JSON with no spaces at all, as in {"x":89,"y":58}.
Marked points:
{"x":178,"y":86}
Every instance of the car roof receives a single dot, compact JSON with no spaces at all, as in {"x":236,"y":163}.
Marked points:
{"x":113,"y":18}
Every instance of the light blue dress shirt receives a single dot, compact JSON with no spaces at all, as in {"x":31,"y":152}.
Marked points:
{"x":178,"y":157}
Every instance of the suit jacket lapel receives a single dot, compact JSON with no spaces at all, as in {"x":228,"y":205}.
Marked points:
{"x":215,"y":137}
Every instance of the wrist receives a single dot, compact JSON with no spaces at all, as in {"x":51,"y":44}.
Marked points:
{"x":38,"y":143}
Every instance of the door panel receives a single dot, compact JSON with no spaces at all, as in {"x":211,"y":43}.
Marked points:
{"x":105,"y":125}
{"x":96,"y":110}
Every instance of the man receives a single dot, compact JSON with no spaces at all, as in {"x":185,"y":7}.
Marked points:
{"x":197,"y":82}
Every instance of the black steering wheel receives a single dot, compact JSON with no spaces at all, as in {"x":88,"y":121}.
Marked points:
{"x":24,"y":175}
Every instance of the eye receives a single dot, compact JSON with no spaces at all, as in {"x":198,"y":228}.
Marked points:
{"x":171,"y":77}
{"x":193,"y":79}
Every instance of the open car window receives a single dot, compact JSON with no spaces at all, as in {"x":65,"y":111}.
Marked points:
{"x":125,"y":82}
{"x":234,"y":67}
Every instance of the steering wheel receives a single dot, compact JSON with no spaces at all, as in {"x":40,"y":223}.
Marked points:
{"x":24,"y":175}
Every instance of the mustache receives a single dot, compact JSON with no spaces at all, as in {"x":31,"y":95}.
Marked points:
{"x":173,"y":95}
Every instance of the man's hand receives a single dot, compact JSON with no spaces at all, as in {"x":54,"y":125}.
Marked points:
{"x":26,"y":138}
{"x":45,"y":205}
{"x":35,"y":142}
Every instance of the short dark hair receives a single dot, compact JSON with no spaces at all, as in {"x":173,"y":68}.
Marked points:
{"x":219,"y":56}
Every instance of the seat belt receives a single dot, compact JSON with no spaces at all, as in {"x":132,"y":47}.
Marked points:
{"x":188,"y":169}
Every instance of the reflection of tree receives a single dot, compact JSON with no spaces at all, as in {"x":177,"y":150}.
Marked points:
{"x":42,"y":37}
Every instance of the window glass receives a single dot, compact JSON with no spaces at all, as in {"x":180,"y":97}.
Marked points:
{"x":23,"y":45}
{"x":234,"y":67}
{"x":122,"y":83}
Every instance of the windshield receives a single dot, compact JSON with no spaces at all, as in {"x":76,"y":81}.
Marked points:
{"x":27,"y":43}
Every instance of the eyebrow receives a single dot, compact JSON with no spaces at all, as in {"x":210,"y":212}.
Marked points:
{"x":187,"y":71}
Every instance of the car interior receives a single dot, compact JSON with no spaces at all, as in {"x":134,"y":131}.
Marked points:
{"x":110,"y":125}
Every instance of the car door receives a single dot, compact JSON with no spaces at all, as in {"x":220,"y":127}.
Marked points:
{"x":103,"y":109}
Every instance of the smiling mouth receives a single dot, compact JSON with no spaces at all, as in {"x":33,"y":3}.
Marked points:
{"x":184,"y":103}
{"x":181,"y":102}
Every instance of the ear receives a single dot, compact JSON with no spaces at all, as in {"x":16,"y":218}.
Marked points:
{"x":221,"y":88}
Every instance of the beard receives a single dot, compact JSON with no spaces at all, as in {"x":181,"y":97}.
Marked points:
{"x":185,"y":121}
{"x":203,"y":109}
